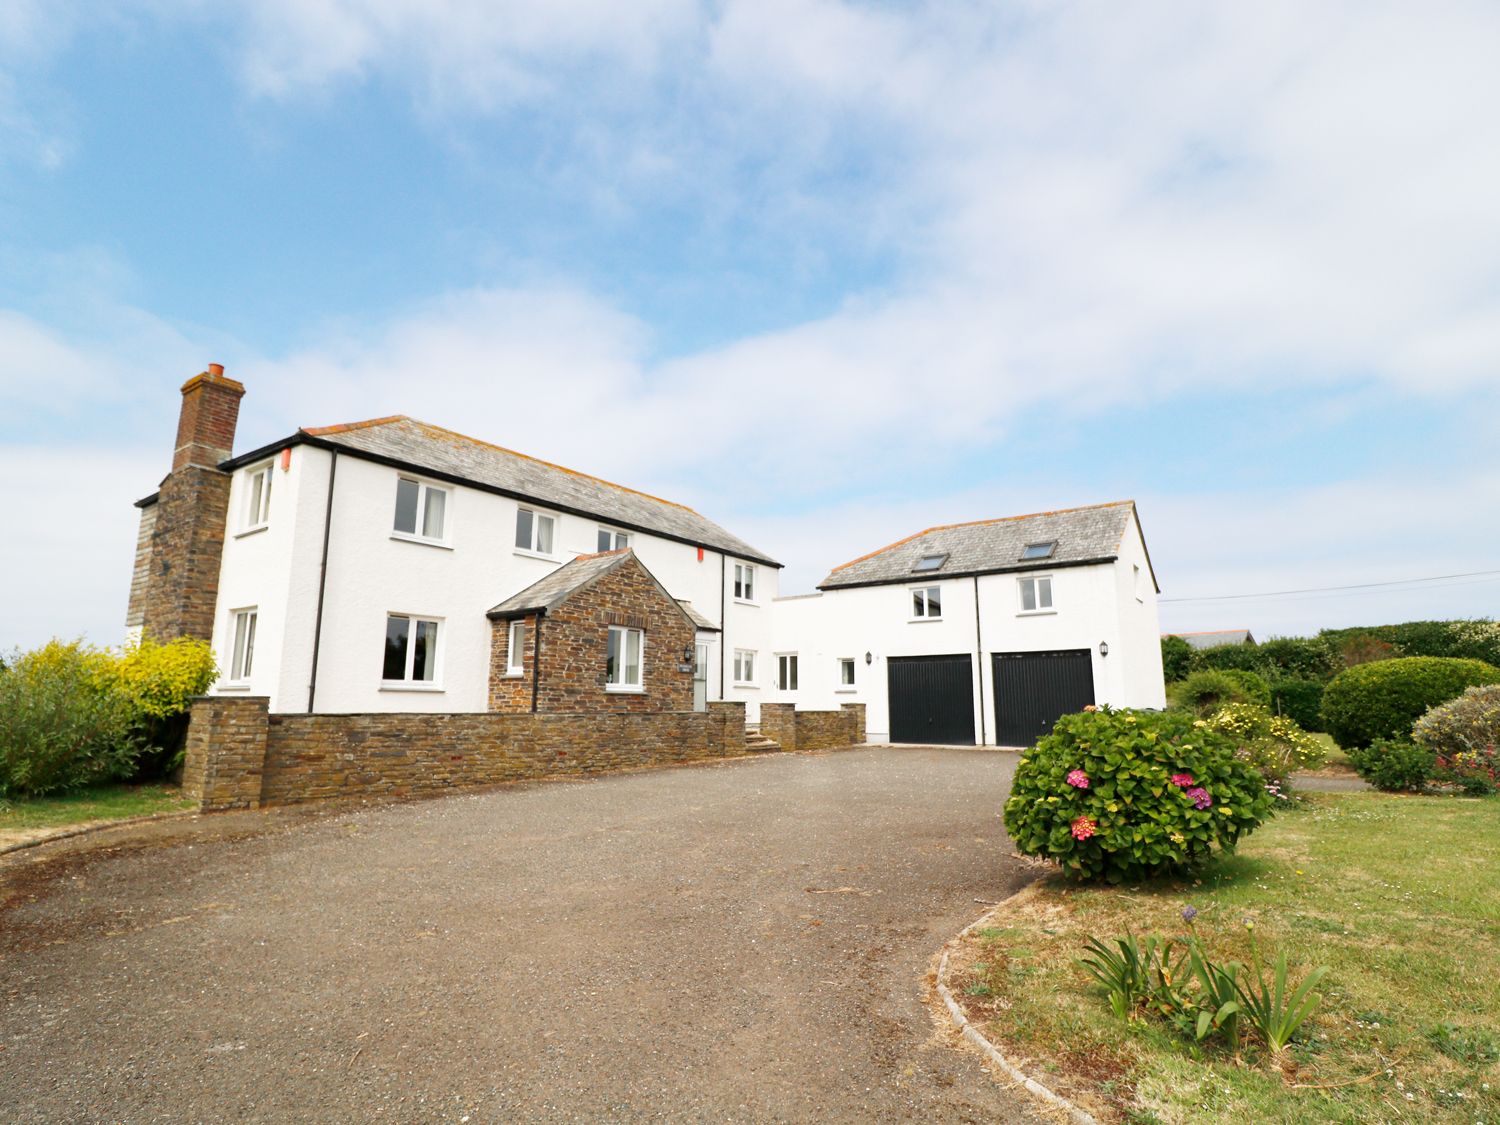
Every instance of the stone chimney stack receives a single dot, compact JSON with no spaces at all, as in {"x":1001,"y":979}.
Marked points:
{"x":180,"y":553}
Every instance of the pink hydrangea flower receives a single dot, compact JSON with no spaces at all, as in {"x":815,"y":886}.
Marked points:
{"x":1078,"y":779}
{"x":1199,"y":797}
{"x":1084,"y":827}
{"x":1182,"y":780}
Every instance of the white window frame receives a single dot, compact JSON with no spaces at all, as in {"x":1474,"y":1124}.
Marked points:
{"x":1036,"y":582}
{"x":744,"y":583}
{"x":256,"y":511}
{"x":615,"y":535}
{"x":242,"y":629}
{"x":515,"y":648}
{"x":623,"y":686}
{"x":406,"y":683}
{"x":787,"y":661}
{"x":852,"y":683}
{"x":742,"y":658}
{"x":424,"y":492}
{"x":537,"y":516}
{"x":922,"y":603}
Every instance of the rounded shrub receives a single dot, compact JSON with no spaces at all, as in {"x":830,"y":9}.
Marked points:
{"x":1464,"y":736}
{"x":1299,"y":700}
{"x":1176,"y":658}
{"x":160,"y":681}
{"x":64,"y":723}
{"x":1126,"y":795}
{"x":1273,"y":744}
{"x":1394,"y":764}
{"x":1205,"y":692}
{"x":1384,"y":698}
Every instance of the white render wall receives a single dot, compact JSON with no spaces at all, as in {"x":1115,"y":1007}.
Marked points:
{"x":371,"y":574}
{"x":1092,"y":604}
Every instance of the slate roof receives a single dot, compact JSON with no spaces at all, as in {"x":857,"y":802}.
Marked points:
{"x":697,"y":618}
{"x":1083,"y":535}
{"x":1216,"y":637}
{"x":559,"y":586}
{"x":426,"y":447}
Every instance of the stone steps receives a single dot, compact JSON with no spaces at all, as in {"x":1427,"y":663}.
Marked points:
{"x":757,"y":743}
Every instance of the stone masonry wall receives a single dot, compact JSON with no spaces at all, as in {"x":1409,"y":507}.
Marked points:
{"x":574,"y":646}
{"x":813,"y":730}
{"x":241,"y":757}
{"x":140,"y":577}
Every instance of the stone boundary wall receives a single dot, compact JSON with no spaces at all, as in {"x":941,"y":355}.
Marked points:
{"x":813,"y":730}
{"x":240,"y":756}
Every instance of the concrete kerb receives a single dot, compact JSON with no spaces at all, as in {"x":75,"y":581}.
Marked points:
{"x":976,"y":1037}
{"x":99,"y":826}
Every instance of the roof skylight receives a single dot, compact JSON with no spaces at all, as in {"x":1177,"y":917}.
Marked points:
{"x":929,"y":563}
{"x":1039,"y":550}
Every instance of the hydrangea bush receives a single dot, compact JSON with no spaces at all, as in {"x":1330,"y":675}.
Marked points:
{"x":1273,"y":744}
{"x":1126,"y":795}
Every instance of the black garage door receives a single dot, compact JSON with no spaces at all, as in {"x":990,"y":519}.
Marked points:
{"x":1035,"y":689}
{"x":932,"y":699}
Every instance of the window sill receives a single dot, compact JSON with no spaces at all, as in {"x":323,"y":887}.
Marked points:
{"x":617,"y":689}
{"x":521,"y":675}
{"x":433,"y":688}
{"x":747,"y":601}
{"x":404,"y":538}
{"x":751,"y":687}
{"x":923,"y":620}
{"x":525,"y":554}
{"x":256,"y":530}
{"x":1037,"y":613}
{"x":241,"y":685}
{"x":846,"y":691}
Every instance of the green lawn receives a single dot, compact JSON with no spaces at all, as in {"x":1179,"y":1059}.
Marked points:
{"x":104,"y":802}
{"x":1400,"y":896}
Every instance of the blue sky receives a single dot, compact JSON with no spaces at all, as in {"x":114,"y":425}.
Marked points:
{"x":829,"y":272}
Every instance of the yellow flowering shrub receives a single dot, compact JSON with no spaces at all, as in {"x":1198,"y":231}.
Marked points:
{"x":1273,"y":744}
{"x":161,"y":679}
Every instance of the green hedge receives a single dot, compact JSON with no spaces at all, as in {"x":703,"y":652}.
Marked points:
{"x":1383,"y":699}
{"x":1465,"y":640}
{"x":1299,"y":700}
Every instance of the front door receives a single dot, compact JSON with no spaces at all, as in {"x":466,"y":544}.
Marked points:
{"x":700,"y":679}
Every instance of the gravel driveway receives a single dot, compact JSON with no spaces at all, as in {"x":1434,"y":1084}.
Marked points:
{"x":739,"y":942}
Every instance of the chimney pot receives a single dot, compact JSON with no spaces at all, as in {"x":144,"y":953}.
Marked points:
{"x":216,"y":369}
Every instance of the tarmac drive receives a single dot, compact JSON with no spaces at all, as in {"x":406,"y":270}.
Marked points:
{"x":741,"y":942}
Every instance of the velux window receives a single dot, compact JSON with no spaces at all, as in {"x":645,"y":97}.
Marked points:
{"x":786,"y":672}
{"x":257,"y":498}
{"x":613,"y":540}
{"x":1039,"y":550}
{"x":622,"y":668}
{"x":927,"y":602}
{"x":929,"y":562}
{"x":1036,"y":594}
{"x":410,"y":650}
{"x":744,"y":582}
{"x":534,"y":531}
{"x":421,"y":509}
{"x":244,"y":645}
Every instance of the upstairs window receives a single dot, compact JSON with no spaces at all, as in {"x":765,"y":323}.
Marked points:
{"x":515,"y":649}
{"x":244,"y":645}
{"x":534,"y":531}
{"x":927,"y":602}
{"x":623,"y":661}
{"x":257,"y":498}
{"x":1036,"y":594}
{"x":786,"y":672}
{"x":929,"y":562}
{"x":613,"y":540}
{"x":846,"y":671}
{"x":410,"y":650}
{"x":421,"y":510}
{"x":744,"y":582}
{"x":1039,"y":550}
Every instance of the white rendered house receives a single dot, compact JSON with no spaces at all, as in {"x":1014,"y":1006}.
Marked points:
{"x":358,"y":561}
{"x":354,"y":568}
{"x":979,"y":633}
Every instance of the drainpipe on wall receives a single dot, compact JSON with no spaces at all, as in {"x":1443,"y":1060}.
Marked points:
{"x":312,"y":681}
{"x":979,"y":657}
{"x":536,"y":661}
{"x":723,"y":625}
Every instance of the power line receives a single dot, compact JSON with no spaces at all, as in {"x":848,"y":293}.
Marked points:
{"x":1332,"y":589}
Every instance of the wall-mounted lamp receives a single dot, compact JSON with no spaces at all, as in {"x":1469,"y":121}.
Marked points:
{"x":1103,"y":648}
{"x":869,"y":659}
{"x":689,"y":655}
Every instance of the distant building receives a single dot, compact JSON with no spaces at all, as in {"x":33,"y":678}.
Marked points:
{"x":1216,"y":637}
